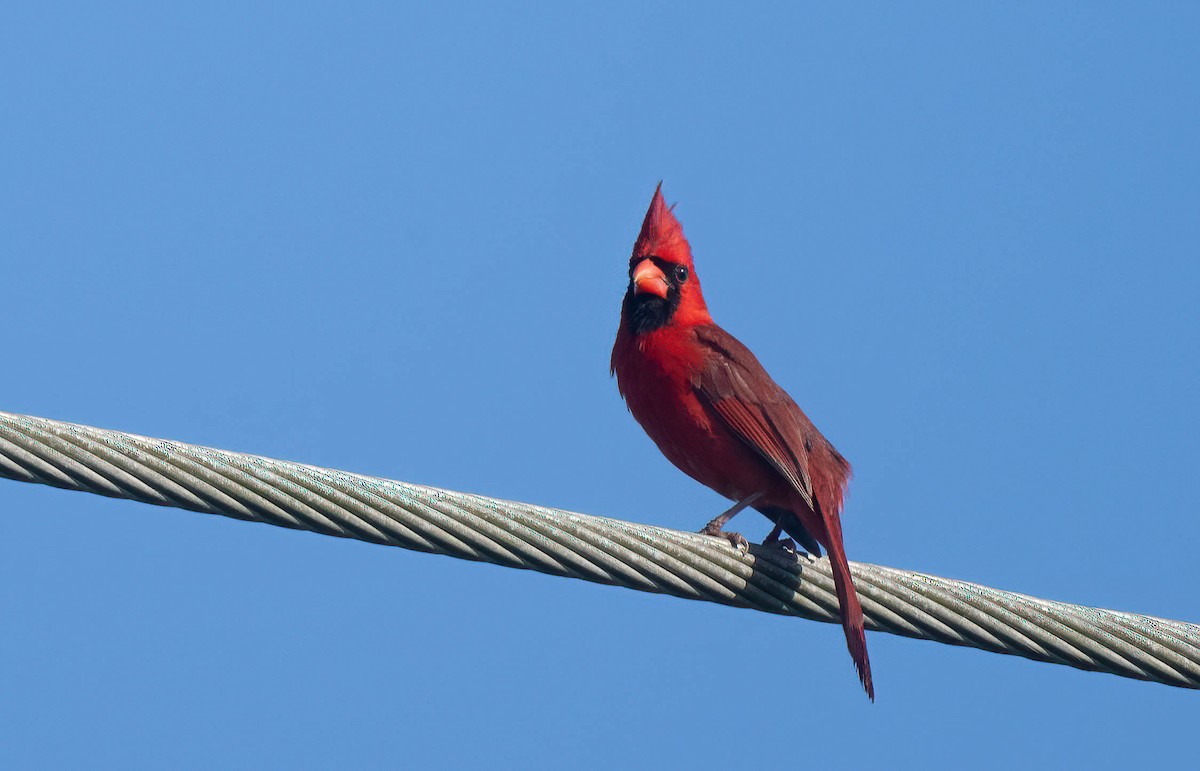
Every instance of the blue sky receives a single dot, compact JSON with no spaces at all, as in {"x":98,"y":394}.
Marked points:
{"x":393,"y":240}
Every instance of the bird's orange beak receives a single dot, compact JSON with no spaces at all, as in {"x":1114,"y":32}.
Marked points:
{"x":649,"y":279}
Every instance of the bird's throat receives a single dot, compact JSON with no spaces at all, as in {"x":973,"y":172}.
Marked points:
{"x":647,"y":312}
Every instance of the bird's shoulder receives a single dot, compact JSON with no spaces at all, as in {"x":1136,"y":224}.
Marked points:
{"x":731,"y":370}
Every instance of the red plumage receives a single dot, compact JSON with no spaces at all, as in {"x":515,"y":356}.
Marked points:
{"x":717,"y":415}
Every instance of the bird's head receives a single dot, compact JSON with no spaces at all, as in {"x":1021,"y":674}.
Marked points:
{"x":663,"y":287}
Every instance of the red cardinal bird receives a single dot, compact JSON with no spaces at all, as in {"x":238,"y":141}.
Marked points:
{"x":717,"y":415}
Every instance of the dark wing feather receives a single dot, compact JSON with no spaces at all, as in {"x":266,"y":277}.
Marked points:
{"x":755,"y":407}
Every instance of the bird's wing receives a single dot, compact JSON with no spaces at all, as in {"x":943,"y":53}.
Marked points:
{"x":754,"y":407}
{"x":762,"y":414}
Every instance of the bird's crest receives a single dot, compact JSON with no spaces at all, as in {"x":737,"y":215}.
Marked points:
{"x":662,"y":235}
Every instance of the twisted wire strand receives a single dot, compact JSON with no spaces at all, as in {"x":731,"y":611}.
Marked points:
{"x":597,"y":549}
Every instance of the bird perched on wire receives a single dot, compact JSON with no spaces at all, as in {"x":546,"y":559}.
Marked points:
{"x":717,"y":415}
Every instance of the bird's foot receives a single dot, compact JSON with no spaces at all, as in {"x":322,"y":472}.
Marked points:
{"x":782,"y":551}
{"x":736,"y":540}
{"x":784,"y":545}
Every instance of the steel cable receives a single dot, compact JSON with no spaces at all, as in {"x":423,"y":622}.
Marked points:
{"x":598,"y":549}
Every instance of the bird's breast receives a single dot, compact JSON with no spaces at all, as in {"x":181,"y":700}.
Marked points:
{"x":657,"y":383}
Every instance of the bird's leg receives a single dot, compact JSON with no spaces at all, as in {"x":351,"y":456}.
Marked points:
{"x":718,"y":522}
{"x":714,"y":528}
{"x":773,"y":540}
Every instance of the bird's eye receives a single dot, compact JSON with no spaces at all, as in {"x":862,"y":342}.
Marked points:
{"x":681,"y":273}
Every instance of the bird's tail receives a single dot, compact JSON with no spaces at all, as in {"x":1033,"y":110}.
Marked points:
{"x":848,"y":605}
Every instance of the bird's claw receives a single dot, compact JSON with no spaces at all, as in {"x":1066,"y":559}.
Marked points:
{"x":785,"y":545}
{"x":736,"y":540}
{"x":781,"y":551}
